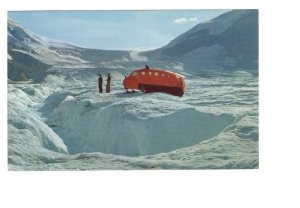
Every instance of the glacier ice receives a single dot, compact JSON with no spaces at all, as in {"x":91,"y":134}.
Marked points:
{"x":86,"y":128}
{"x":62,"y":126}
{"x":24,"y":123}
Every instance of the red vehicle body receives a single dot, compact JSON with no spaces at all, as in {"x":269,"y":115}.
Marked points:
{"x":155,"y":80}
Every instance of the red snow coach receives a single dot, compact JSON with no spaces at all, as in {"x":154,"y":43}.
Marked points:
{"x":155,"y":80}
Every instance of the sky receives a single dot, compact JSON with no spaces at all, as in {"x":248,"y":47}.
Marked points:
{"x":113,"y":30}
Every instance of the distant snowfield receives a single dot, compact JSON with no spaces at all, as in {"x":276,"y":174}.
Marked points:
{"x":62,"y":125}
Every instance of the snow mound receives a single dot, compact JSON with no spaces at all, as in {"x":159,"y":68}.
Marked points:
{"x":114,"y":129}
{"x":25,"y":126}
{"x":36,"y":132}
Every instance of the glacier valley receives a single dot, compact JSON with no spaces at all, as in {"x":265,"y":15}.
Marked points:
{"x":57,"y":120}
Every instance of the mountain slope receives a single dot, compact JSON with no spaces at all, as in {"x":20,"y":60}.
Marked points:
{"x":230,"y":41}
{"x":31,"y":56}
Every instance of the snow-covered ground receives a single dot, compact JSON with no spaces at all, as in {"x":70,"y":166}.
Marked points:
{"x":63,"y":125}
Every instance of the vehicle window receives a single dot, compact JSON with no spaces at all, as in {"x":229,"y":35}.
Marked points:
{"x":162,"y":74}
{"x":156,"y":73}
{"x":134,"y":74}
{"x":143,"y":73}
{"x":150,"y":73}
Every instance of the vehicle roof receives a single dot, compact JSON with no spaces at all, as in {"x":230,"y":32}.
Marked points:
{"x":159,"y":70}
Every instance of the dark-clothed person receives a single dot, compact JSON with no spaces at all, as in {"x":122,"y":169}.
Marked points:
{"x":108,"y":79}
{"x":100,"y":81}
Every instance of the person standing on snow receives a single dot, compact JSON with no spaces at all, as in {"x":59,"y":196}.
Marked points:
{"x":108,"y":83}
{"x":100,"y":80}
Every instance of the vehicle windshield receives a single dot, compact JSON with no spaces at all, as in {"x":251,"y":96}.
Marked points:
{"x":133,"y":73}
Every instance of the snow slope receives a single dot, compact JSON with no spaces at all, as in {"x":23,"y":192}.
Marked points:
{"x":50,"y":52}
{"x":33,"y":57}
